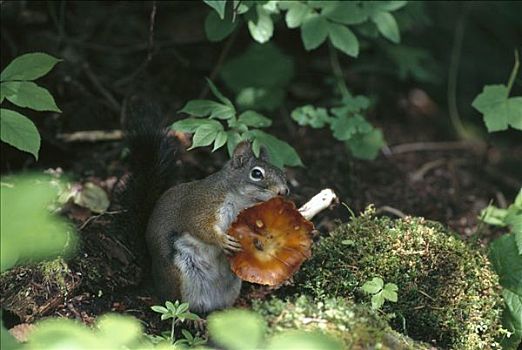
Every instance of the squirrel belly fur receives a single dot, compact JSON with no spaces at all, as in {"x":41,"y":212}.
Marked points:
{"x":185,"y":225}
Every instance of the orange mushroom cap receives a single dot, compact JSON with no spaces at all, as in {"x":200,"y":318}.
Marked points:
{"x":275,"y":239}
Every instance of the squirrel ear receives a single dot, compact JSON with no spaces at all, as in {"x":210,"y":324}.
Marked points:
{"x":242,"y":152}
{"x":263,"y":154}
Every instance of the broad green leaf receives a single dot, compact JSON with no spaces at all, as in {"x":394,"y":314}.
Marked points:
{"x":389,"y":292}
{"x":513,"y":315}
{"x":218,"y":93}
{"x":223,"y":112}
{"x":171,"y":307}
{"x":366,"y":146}
{"x":346,"y":12}
{"x":387,"y":26}
{"x":262,"y":29}
{"x":182,"y":308}
{"x":191,"y":124}
{"x":314,"y":31}
{"x":303,"y":340}
{"x":350,"y":105}
{"x":498,"y":110}
{"x":280,"y":152}
{"x":344,"y":128}
{"x":218,"y":29}
{"x":58,"y":333}
{"x":254,"y":119}
{"x":30,"y":66}
{"x":205,"y":135}
{"x":118,"y":330}
{"x":28,"y":94}
{"x":392,"y":5}
{"x":377,"y":301}
{"x":218,"y":6}
{"x":507,"y":262}
{"x":221,"y":139}
{"x":308,"y":115}
{"x":272,"y":68}
{"x":343,"y":39}
{"x":260,"y":98}
{"x":159,"y":309}
{"x":19,"y":131}
{"x":93,"y":197}
{"x":236,"y":329}
{"x":200,"y":108}
{"x":373,"y":286}
{"x":233,"y":138}
{"x":296,"y":13}
{"x":30,"y":232}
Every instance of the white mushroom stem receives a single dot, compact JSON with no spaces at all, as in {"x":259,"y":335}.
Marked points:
{"x":318,"y":203}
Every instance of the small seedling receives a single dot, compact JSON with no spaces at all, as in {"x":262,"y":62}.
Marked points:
{"x":380,"y":292}
{"x":178,"y":312}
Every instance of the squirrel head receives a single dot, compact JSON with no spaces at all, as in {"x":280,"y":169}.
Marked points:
{"x":255,"y":177}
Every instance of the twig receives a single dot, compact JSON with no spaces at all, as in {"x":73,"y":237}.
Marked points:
{"x":92,"y":136}
{"x":419,"y":174}
{"x":103,"y":91}
{"x":96,"y":217}
{"x":222,"y":56}
{"x":436,"y":146}
{"x":391,"y":210}
{"x":150,"y":50}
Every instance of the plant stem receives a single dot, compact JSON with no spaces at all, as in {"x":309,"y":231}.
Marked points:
{"x":172,"y":330}
{"x":514,"y":72}
{"x":338,"y":72}
{"x":453,"y":74}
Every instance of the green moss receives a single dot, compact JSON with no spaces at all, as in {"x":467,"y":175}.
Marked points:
{"x":448,"y":293}
{"x":356,"y":325}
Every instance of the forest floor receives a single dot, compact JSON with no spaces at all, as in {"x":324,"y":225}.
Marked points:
{"x":424,"y":171}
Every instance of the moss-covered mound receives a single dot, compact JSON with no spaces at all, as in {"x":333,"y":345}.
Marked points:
{"x":448,"y":294}
{"x":356,"y":325}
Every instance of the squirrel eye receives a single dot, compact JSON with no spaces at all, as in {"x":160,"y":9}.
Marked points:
{"x":257,"y":174}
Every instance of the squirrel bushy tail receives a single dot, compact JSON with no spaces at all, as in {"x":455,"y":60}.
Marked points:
{"x":152,"y":170}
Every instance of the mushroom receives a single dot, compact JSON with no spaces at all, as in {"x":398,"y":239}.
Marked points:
{"x":275,"y":238}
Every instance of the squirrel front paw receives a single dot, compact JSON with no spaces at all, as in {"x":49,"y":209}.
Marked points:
{"x":230,"y":245}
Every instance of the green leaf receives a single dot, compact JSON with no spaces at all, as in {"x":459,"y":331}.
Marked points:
{"x":297,"y":11}
{"x":28,"y":94}
{"x":218,"y":93}
{"x":344,"y":128}
{"x":182,"y":308}
{"x":29,"y":230}
{"x":171,"y":307}
{"x":218,"y":6}
{"x":159,"y":309}
{"x":507,"y":262}
{"x":346,"y":12}
{"x":218,"y":29}
{"x":392,"y":5}
{"x":233,"y":138}
{"x":314,"y":31}
{"x":280,"y":153}
{"x":220,"y":140}
{"x":19,"y":131}
{"x":308,"y":115}
{"x":366,"y":146}
{"x":304,"y":340}
{"x":236,"y":329}
{"x":191,"y":124}
{"x":513,"y":318}
{"x":373,"y":286}
{"x":389,"y":292}
{"x":492,"y":215}
{"x":377,"y":301}
{"x":118,"y":330}
{"x":30,"y":66}
{"x":387,"y":26}
{"x":343,"y":39}
{"x":254,"y":119}
{"x":205,"y":135}
{"x":498,"y":110}
{"x":351,"y":105}
{"x":260,"y":98}
{"x":223,"y":112}
{"x":200,"y":108}
{"x":263,"y":29}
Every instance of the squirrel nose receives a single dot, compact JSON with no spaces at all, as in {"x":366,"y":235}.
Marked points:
{"x":284,"y":191}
